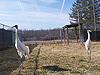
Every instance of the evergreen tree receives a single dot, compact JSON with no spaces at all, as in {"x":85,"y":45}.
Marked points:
{"x":86,"y":14}
{"x":97,"y":12}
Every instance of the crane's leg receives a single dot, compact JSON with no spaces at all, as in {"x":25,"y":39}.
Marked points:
{"x":20,"y":65}
{"x":88,"y":57}
{"x":90,"y":54}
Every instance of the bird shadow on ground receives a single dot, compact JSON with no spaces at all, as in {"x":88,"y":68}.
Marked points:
{"x":32,"y":46}
{"x":36,"y":60}
{"x":55,"y":68}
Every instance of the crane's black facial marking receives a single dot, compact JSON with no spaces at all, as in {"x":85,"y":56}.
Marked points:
{"x":89,"y":31}
{"x":16,"y":26}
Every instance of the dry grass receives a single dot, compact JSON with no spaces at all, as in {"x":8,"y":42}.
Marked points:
{"x":9,"y":60}
{"x":60,"y":59}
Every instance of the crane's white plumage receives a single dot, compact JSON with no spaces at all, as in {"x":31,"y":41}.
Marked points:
{"x":21,"y":48}
{"x":88,"y":44}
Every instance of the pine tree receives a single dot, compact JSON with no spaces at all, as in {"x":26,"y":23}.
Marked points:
{"x":86,"y":14}
{"x":97,"y":12}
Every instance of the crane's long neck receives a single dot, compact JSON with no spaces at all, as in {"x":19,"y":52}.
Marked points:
{"x":88,"y":36}
{"x":16,"y":36}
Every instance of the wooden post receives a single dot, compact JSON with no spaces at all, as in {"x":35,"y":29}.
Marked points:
{"x":64,"y":35}
{"x":50,"y":35}
{"x":3,"y":26}
{"x":82,"y":34}
{"x":61,"y":35}
{"x":54,"y":36}
{"x":67,"y":37}
{"x":76,"y":34}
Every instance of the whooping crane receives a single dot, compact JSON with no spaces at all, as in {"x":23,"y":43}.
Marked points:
{"x":88,"y":44}
{"x":21,"y":48}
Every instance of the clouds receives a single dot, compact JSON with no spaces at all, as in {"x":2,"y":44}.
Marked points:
{"x":33,"y":14}
{"x":40,"y":19}
{"x":33,"y":17}
{"x":49,"y":1}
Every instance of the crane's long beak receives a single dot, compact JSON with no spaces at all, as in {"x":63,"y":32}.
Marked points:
{"x":12,"y":26}
{"x":90,"y":31}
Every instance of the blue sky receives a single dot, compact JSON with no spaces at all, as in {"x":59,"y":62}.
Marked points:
{"x":35,"y":14}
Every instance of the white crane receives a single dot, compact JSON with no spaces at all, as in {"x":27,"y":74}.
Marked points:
{"x":21,"y":48}
{"x":88,"y":44}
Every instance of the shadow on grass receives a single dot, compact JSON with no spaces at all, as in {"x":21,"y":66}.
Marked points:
{"x":32,"y":46}
{"x":36,"y":60}
{"x":55,"y":68}
{"x":6,"y":47}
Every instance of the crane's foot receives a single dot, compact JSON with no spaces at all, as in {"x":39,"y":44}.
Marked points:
{"x":19,"y":71}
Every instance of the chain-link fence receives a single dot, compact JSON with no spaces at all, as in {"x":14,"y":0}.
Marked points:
{"x":7,"y":36}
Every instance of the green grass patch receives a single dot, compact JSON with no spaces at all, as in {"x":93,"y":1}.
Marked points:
{"x":75,"y":72}
{"x":82,"y":60}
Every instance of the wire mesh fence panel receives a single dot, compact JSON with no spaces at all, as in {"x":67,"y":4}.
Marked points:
{"x":95,"y":35}
{"x":7,"y":36}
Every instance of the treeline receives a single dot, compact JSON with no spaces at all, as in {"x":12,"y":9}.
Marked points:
{"x":51,"y":34}
{"x":88,"y":11}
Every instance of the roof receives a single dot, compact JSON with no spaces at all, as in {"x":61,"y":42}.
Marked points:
{"x":72,"y":25}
